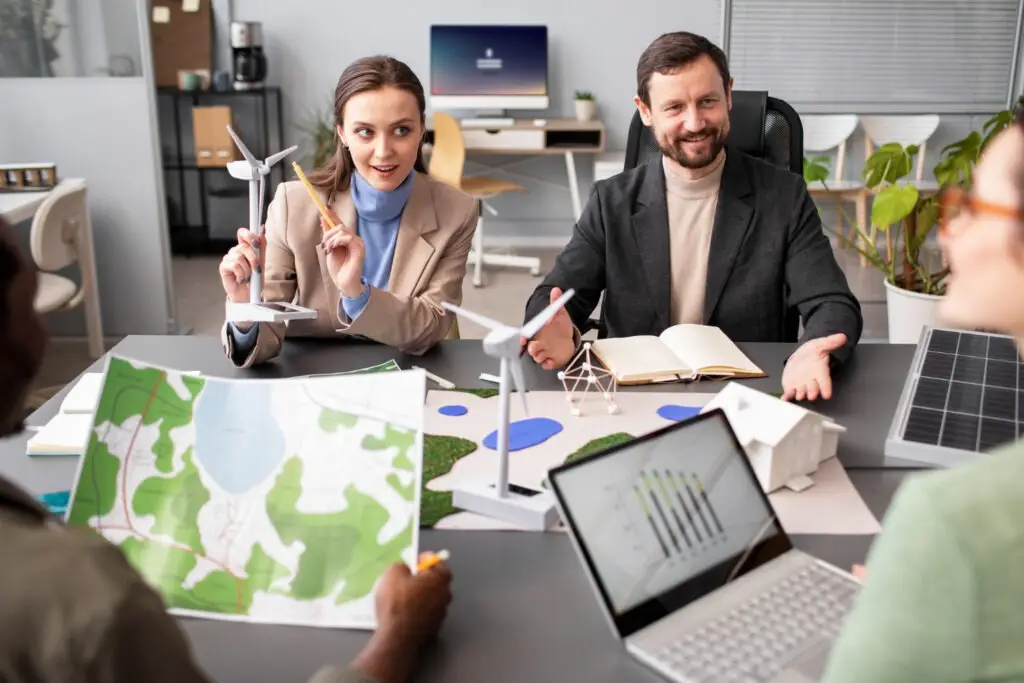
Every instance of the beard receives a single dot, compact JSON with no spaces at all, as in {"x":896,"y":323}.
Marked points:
{"x":713,"y":140}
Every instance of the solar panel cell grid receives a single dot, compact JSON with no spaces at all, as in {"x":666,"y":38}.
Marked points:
{"x":970,"y":392}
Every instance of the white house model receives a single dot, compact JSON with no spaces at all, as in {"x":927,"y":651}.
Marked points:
{"x":784,"y":442}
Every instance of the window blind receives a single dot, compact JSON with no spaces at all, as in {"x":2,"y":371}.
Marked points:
{"x":876,"y":56}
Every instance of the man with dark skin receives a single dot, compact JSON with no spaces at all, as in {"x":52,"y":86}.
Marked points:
{"x":73,"y":609}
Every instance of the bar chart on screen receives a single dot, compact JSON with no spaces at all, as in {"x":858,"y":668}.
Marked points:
{"x":679,"y":517}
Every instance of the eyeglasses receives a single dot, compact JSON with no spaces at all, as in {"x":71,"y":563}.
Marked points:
{"x":953,"y":201}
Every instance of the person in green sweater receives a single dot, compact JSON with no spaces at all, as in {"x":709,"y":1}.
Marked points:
{"x":943,"y":594}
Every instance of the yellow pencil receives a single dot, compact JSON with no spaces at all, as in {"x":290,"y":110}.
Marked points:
{"x":436,"y":558}
{"x":312,"y":193}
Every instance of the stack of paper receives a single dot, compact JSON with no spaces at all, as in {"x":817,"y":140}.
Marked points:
{"x":65,"y":434}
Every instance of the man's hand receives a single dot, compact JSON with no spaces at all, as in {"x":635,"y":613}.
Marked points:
{"x":860,"y":571}
{"x":806,"y":375}
{"x":552,"y":347}
{"x":410,"y":610}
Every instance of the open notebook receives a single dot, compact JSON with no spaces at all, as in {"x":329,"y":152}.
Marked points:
{"x":682,"y":352}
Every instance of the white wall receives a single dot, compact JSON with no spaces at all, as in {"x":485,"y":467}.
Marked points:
{"x":100,"y":129}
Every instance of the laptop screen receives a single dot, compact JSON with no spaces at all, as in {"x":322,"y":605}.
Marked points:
{"x":667,"y":518}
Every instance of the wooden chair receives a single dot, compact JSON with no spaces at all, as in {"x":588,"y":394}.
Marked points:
{"x":824,"y":133}
{"x":61,"y":236}
{"x":447,"y":160}
{"x":906,"y":130}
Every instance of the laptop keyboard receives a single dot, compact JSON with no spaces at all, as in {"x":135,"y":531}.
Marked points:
{"x":759,"y":639}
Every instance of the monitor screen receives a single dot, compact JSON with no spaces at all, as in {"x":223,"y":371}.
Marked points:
{"x":496,"y":61}
{"x":667,"y":518}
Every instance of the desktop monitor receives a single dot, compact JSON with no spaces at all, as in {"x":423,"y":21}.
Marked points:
{"x":489,"y":67}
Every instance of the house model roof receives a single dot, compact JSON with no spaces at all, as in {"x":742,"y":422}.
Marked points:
{"x":757,"y":416}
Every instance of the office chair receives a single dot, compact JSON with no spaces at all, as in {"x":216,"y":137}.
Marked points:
{"x":762,"y":126}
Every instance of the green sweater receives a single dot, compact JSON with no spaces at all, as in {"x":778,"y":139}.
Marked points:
{"x":944,"y":596}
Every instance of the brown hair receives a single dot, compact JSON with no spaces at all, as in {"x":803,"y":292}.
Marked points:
{"x":363,"y":75}
{"x":672,"y":51}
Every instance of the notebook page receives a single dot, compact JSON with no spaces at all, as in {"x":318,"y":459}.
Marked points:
{"x":65,"y":434}
{"x":84,"y":395}
{"x":706,"y":346}
{"x":638,"y":357}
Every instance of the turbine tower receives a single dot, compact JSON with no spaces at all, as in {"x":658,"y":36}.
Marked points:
{"x":256,"y":171}
{"x":528,"y":508}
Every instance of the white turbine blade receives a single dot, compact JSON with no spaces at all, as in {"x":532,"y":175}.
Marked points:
{"x":533,"y":327}
{"x":475,"y":317}
{"x":517,"y":378}
{"x":274,"y":158}
{"x":253,"y":161}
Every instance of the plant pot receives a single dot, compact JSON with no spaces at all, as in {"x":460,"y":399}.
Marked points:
{"x":909,"y":313}
{"x":585,"y":110}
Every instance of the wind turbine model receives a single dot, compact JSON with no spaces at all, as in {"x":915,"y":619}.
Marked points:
{"x":256,"y":309}
{"x":524,"y":507}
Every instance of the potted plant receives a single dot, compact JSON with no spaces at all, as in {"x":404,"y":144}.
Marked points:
{"x":586,"y":108}
{"x":915,"y":276}
{"x":323,"y":135}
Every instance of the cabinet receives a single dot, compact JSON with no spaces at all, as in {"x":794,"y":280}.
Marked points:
{"x":205,"y":205}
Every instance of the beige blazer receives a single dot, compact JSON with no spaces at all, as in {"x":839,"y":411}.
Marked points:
{"x":434,"y":238}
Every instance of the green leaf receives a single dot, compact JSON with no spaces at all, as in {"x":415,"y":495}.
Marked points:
{"x":893,"y":204}
{"x":889,"y":163}
{"x":816,"y":170}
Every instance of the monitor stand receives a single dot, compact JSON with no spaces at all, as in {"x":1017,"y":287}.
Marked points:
{"x":488,"y":118}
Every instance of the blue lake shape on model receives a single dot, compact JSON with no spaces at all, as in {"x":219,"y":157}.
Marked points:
{"x":238,"y":439}
{"x":453,"y":410}
{"x":527,"y":433}
{"x":677,"y":413}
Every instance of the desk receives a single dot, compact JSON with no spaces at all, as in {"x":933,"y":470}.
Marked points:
{"x":16,"y":207}
{"x":493,"y":632}
{"x":564,"y":136}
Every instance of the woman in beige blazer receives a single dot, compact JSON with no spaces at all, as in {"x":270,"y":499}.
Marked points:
{"x":401,"y":242}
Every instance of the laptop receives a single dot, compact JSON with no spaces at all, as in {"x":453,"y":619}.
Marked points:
{"x":690,"y":564}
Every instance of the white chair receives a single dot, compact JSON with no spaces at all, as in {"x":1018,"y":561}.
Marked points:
{"x":62,"y":235}
{"x":906,"y":129}
{"x":824,"y":133}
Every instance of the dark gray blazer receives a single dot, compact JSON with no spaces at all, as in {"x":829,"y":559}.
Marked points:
{"x":770,"y":264}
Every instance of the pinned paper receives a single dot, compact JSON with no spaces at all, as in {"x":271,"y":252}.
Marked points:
{"x":190,"y":5}
{"x":161,"y":14}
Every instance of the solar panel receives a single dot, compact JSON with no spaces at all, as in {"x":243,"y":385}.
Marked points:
{"x":964,"y":395}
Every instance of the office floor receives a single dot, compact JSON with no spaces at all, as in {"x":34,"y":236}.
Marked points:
{"x":200,"y":304}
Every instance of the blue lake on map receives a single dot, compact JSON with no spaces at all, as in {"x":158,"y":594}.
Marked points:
{"x":238,"y":440}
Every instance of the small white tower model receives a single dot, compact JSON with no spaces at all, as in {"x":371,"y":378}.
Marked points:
{"x":581,"y":370}
{"x":525,"y":508}
{"x":256,"y":310}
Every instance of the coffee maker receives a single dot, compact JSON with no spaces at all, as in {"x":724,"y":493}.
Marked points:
{"x":250,"y":64}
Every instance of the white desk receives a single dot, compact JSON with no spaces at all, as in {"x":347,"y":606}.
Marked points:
{"x":16,"y":207}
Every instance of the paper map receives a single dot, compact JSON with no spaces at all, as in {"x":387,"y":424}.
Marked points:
{"x":279,"y":501}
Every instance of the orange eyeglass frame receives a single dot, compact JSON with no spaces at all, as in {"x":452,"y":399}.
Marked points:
{"x":952,"y":199}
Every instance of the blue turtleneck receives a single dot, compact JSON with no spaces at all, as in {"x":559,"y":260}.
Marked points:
{"x":378,"y":214}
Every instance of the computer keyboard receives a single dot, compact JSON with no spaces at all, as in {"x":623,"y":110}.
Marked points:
{"x":757,"y":640}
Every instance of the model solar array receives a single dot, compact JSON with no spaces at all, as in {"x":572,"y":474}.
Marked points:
{"x":964,"y":395}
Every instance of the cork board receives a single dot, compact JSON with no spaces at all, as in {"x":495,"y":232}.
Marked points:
{"x":182,"y":35}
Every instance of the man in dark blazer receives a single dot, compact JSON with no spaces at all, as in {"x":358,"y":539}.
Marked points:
{"x":703,"y":234}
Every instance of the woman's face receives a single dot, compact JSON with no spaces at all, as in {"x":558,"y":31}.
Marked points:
{"x":382,"y":130}
{"x":984,"y":247}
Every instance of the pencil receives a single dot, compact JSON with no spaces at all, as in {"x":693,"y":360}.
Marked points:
{"x":436,"y":558}
{"x":312,"y":193}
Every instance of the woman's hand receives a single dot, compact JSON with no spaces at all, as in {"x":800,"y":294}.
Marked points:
{"x":345,"y":255}
{"x":238,"y":264}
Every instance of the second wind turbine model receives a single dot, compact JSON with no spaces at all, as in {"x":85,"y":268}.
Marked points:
{"x":526,"y":508}
{"x":257,"y":310}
